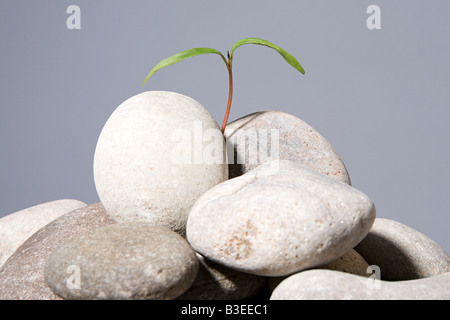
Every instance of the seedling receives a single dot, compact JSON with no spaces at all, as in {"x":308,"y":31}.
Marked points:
{"x":228,"y":62}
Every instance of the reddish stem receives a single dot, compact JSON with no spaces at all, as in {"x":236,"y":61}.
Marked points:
{"x":230,"y":96}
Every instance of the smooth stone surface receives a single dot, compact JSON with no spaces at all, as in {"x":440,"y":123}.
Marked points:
{"x":351,"y":262}
{"x":217,"y":282}
{"x":297,"y":141}
{"x":335,"y":285}
{"x":127,"y":260}
{"x":22,"y":275}
{"x":139,"y":164}
{"x":401,"y":252}
{"x":17,"y":227}
{"x":274,"y":222}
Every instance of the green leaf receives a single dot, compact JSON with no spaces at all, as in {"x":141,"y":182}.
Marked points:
{"x":182,"y":56}
{"x":286,"y":55}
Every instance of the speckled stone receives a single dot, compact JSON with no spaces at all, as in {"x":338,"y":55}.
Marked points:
{"x":335,"y":285}
{"x":217,"y":282}
{"x":351,"y":262}
{"x":22,"y":275}
{"x":401,"y":252}
{"x":150,"y":164}
{"x":127,"y":260}
{"x":276,"y":222}
{"x":297,"y":141}
{"x":17,"y":227}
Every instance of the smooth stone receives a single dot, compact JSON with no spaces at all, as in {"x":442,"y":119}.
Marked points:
{"x":22,"y":275}
{"x":17,"y":227}
{"x":127,"y":260}
{"x":401,"y":252}
{"x":297,"y":141}
{"x":335,"y":285}
{"x":278,"y":219}
{"x":351,"y":262}
{"x":217,"y":282}
{"x":150,"y":162}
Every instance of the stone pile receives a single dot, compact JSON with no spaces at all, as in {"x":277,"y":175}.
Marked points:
{"x":279,"y":220}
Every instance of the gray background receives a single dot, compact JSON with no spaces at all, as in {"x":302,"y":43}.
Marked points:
{"x":381,"y":97}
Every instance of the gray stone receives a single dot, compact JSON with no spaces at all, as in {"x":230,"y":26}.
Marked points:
{"x":22,"y":275}
{"x":401,"y":252}
{"x":335,"y":285}
{"x":278,"y":219}
{"x":17,"y":227}
{"x":127,"y":260}
{"x":150,"y":161}
{"x":351,"y":262}
{"x":297,"y":141}
{"x":217,"y":282}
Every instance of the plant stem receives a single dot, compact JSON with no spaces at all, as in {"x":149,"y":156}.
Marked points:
{"x":230,"y":94}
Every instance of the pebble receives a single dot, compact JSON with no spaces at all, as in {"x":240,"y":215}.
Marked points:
{"x":17,"y":227}
{"x":217,"y":282}
{"x":351,"y":262}
{"x":401,"y":252}
{"x":151,"y":162}
{"x":335,"y":285}
{"x":293,"y":139}
{"x":278,"y":219}
{"x":127,"y":260}
{"x":22,"y":275}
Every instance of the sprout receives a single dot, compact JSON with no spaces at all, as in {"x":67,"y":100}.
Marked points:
{"x":228,"y":62}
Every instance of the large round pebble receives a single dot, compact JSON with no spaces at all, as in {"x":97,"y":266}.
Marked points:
{"x":278,"y":219}
{"x":127,"y":260}
{"x":154,"y":159}
{"x":22,"y":275}
{"x":335,"y":285}
{"x":401,"y":252}
{"x":270,"y":135}
{"x":17,"y":227}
